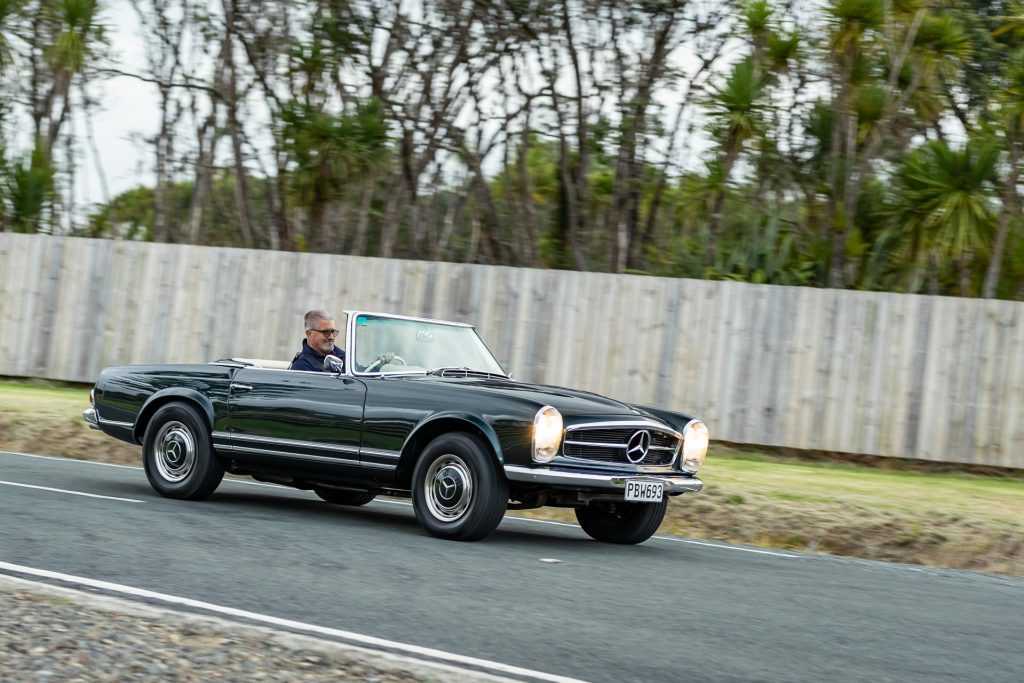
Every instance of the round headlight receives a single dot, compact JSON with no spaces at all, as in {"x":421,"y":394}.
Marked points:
{"x":695,"y":446}
{"x":547,"y":434}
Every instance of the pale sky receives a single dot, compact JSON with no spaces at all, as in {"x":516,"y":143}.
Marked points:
{"x":126,"y":108}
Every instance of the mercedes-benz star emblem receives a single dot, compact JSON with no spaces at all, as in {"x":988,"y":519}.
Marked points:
{"x":638,"y":445}
{"x":447,"y":488}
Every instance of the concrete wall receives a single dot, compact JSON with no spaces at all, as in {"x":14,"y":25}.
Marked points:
{"x":887,"y":374}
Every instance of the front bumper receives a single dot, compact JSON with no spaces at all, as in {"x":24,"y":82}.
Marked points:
{"x":548,"y":476}
{"x":89,"y":415}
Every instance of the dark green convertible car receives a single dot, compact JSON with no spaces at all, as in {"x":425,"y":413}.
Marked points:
{"x":420,"y":408}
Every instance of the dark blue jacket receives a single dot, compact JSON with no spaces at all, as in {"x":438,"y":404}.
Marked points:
{"x":310,"y":359}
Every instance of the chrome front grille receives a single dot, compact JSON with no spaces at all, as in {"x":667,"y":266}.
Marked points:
{"x":612,"y":444}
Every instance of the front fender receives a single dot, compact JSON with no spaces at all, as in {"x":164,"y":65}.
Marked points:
{"x":439,"y":423}
{"x":677,"y":420}
{"x":191,"y":396}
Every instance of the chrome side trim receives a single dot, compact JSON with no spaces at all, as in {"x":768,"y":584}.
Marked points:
{"x":293,"y":442}
{"x":380,"y":453}
{"x":288,"y":454}
{"x":553,"y":477}
{"x":379,"y":465}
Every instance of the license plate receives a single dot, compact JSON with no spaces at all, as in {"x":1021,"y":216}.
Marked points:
{"x":644,"y":491}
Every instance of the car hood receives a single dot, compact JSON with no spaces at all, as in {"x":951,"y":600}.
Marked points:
{"x":570,"y":402}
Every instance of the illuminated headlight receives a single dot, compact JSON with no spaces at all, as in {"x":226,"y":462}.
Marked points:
{"x":695,"y":446}
{"x":547,"y":434}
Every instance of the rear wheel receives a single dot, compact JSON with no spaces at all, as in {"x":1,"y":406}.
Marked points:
{"x":343,"y":496}
{"x":177,"y":454}
{"x":458,"y":492}
{"x":629,"y":523}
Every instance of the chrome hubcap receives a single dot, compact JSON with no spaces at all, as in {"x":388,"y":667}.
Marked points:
{"x":175,"y":451}
{"x":448,"y":488}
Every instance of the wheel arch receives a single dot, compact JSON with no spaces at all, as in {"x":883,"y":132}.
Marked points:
{"x":439,"y":424}
{"x":171,"y":395}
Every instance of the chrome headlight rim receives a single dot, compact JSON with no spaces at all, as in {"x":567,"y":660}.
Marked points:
{"x":692,"y":456}
{"x":548,"y":431}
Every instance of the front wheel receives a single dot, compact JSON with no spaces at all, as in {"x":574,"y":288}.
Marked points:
{"x":177,"y":454}
{"x":458,"y":492}
{"x":343,"y":496}
{"x":629,"y":523}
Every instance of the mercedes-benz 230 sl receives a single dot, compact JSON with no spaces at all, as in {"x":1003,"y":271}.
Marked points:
{"x":421,"y":408}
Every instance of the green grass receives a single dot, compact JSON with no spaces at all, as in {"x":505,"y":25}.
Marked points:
{"x":17,"y":395}
{"x":753,"y":475}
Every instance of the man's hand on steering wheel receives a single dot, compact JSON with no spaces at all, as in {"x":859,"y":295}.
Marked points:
{"x":388,"y":358}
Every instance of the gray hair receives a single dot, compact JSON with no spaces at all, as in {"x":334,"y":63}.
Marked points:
{"x":315,"y":316}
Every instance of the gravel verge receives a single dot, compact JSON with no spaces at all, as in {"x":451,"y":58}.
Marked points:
{"x":51,"y":633}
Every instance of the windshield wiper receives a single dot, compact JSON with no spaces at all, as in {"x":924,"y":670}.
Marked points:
{"x":464,"y":372}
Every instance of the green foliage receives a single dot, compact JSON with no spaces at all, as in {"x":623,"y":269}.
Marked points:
{"x":30,"y":190}
{"x":128,"y":216}
{"x":78,"y":35}
{"x":870,"y":105}
{"x":327,"y":150}
{"x":734,"y":106}
{"x":944,"y":206}
{"x":9,"y":10}
{"x":757,"y":16}
{"x":852,"y":19}
{"x":784,"y":50}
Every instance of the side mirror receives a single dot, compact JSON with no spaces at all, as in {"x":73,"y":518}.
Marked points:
{"x":333,"y":364}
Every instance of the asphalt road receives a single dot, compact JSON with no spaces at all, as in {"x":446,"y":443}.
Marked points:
{"x":669,"y":609}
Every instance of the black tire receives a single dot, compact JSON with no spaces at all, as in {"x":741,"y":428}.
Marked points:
{"x":177,"y":454}
{"x":343,"y":497}
{"x":629,"y":523}
{"x":458,"y":492}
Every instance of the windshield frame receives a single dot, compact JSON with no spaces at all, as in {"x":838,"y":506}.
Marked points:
{"x":350,"y":343}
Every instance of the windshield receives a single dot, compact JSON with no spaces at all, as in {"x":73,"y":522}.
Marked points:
{"x":418,"y":346}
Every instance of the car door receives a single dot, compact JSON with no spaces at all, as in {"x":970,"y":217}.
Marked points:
{"x":304,"y":422}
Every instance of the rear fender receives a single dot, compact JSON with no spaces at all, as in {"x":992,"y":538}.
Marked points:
{"x":169,"y":395}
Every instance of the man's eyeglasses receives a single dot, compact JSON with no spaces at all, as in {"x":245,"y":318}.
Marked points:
{"x":326,"y":333}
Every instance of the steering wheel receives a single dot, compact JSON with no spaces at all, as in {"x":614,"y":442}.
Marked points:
{"x":396,"y":360}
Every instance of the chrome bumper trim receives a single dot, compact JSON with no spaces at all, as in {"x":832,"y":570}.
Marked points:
{"x":552,"y":477}
{"x":89,"y":415}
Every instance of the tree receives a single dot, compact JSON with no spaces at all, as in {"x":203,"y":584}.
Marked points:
{"x":946,"y":207}
{"x":734,"y":109}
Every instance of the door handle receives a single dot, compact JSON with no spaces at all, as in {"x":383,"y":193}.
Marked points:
{"x":240,"y":387}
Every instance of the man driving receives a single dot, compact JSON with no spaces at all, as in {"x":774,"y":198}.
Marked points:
{"x":319,"y":342}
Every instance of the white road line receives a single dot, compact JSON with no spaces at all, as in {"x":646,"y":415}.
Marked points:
{"x":126,"y":467}
{"x":72,"y":493}
{"x":727,"y":547}
{"x":57,"y":457}
{"x":350,"y":636}
{"x":402,"y":502}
